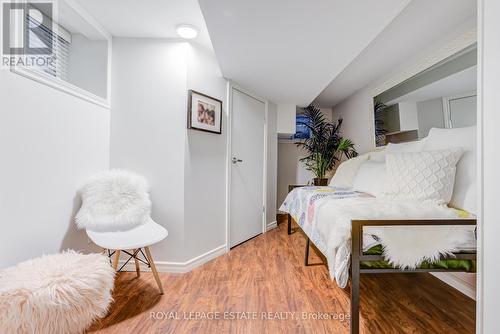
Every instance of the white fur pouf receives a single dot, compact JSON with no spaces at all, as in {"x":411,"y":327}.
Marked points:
{"x":61,"y":293}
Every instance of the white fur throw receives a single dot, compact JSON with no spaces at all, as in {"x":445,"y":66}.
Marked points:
{"x":113,"y":200}
{"x":61,"y":293}
{"x":404,"y":247}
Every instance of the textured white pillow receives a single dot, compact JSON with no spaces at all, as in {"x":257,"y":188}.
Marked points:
{"x":423,"y":176}
{"x":464,"y":191}
{"x":378,"y":155}
{"x":414,"y":146}
{"x":370,"y":178}
{"x":346,"y":171}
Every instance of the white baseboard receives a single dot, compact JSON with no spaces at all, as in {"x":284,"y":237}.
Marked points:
{"x":178,"y":267}
{"x":456,"y":282}
{"x":271,"y":225}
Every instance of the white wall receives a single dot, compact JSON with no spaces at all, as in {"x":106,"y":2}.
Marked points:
{"x":205,"y":161}
{"x":357,"y":126}
{"x":286,"y":118}
{"x":290,"y":169}
{"x":408,"y":118}
{"x":489,"y":74}
{"x":148,"y":128}
{"x":430,"y":115}
{"x":50,"y":142}
{"x":272,"y":163}
{"x":186,"y":168}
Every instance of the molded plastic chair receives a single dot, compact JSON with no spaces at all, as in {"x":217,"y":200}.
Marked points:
{"x":110,"y":196}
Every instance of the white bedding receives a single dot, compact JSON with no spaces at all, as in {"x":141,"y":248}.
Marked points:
{"x":325,"y":214}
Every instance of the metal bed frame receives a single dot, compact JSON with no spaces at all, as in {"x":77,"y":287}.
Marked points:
{"x":357,"y":255}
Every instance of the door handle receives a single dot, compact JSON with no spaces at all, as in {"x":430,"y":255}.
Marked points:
{"x":236,"y":160}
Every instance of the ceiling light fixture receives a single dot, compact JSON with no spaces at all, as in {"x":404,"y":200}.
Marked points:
{"x":187,"y":31}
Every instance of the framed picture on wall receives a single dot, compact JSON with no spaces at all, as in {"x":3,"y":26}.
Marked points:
{"x":204,"y":112}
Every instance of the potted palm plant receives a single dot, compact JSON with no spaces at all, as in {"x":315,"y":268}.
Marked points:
{"x":325,"y":145}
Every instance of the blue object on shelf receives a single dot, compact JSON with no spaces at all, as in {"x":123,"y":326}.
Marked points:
{"x":302,"y":131}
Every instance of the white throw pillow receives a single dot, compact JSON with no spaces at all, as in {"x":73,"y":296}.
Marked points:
{"x":414,"y":146}
{"x":346,"y":171}
{"x":377,"y":155}
{"x":370,"y":178}
{"x":423,"y":176}
{"x":464,"y":191}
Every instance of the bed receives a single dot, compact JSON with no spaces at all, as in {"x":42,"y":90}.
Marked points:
{"x":364,"y":251}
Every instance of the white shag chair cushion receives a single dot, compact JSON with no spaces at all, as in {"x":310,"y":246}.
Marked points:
{"x":114,"y":200}
{"x":60,"y":293}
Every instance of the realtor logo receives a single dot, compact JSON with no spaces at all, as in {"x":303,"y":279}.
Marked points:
{"x":25,"y":28}
{"x":27,"y":35}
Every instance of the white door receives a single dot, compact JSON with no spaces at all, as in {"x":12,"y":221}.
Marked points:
{"x":247,"y":168}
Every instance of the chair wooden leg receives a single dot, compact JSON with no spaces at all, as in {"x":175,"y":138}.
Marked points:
{"x":115,"y":260}
{"x":153,"y":269}
{"x":137,"y":268}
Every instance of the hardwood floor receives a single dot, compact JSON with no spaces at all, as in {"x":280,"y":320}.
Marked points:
{"x":267,"y":274}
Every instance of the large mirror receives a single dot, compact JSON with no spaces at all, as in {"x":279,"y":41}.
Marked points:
{"x":442,"y":96}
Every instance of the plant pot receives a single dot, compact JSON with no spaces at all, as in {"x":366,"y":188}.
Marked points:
{"x":320,"y":182}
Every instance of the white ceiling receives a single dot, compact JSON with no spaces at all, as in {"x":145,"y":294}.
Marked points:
{"x":458,"y":83}
{"x":422,"y":23}
{"x":288,"y":51}
{"x":149,"y":19}
{"x":72,"y":21}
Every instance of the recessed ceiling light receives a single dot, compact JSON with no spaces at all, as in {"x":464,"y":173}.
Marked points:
{"x":187,"y":31}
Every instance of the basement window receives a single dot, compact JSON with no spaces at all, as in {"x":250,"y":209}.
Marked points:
{"x":62,"y":47}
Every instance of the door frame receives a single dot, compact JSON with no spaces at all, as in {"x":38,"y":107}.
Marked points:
{"x":230,"y":86}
